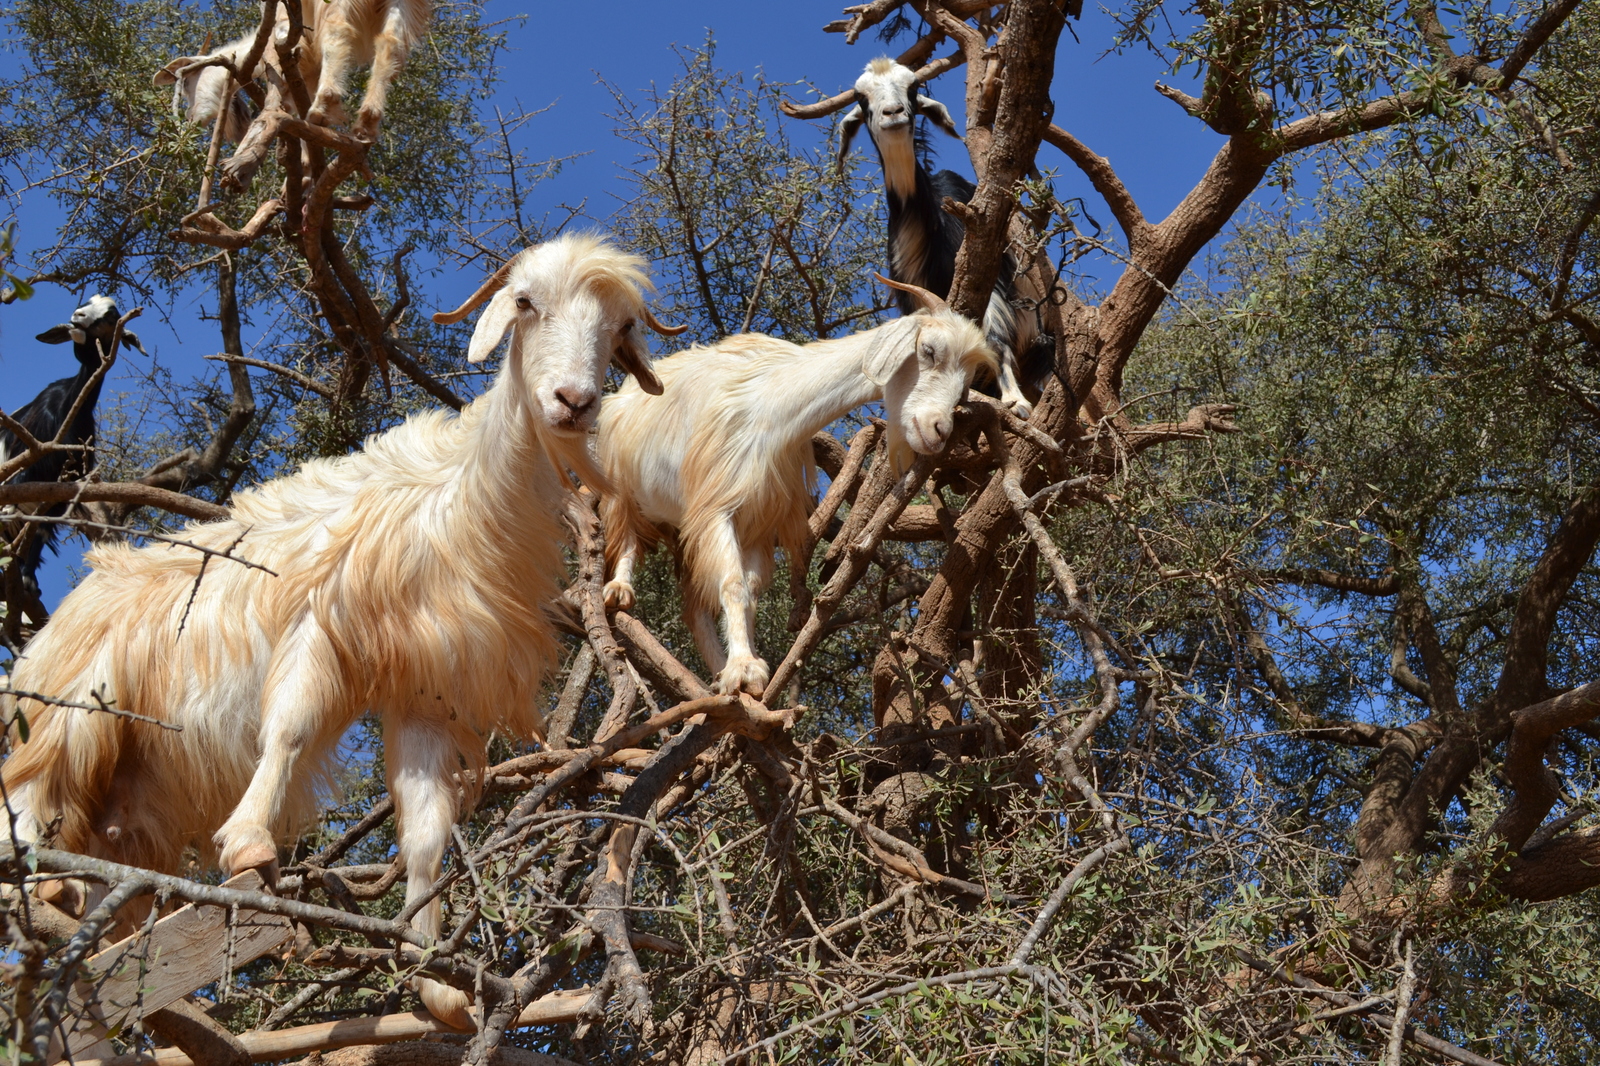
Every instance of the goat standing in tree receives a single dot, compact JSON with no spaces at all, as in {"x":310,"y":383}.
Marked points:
{"x":410,"y":580}
{"x":339,"y":35}
{"x":90,"y":330}
{"x":923,"y":238}
{"x":724,"y":455}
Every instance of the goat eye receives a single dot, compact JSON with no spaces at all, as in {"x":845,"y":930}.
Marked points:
{"x":524,"y":304}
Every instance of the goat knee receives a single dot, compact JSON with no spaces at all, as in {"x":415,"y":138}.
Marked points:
{"x":328,"y":109}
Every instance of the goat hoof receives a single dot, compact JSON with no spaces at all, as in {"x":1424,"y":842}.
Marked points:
{"x":250,"y":848}
{"x":367,"y":125}
{"x":1021,"y":408}
{"x":747,"y":673}
{"x":327,"y":111}
{"x":68,"y":895}
{"x":619,"y":595}
{"x":447,"y":1004}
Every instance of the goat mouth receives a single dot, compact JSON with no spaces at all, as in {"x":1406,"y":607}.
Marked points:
{"x":571,"y":426}
{"x":928,"y":445}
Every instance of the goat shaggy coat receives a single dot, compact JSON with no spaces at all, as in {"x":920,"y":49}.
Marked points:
{"x":409,"y":580}
{"x":724,"y":456}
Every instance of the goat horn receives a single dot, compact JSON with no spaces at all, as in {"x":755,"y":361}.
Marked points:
{"x":665,"y":331}
{"x":924,"y":297}
{"x":496,"y":282}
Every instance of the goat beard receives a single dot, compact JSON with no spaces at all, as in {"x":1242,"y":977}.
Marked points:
{"x":575,"y":456}
{"x":901,"y":454}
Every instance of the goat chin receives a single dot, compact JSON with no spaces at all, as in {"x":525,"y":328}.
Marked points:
{"x":901,"y":454}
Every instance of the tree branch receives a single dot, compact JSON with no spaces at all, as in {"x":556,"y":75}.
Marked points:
{"x":1104,"y":178}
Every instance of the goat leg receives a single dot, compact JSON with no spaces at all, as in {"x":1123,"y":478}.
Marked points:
{"x":241,"y":168}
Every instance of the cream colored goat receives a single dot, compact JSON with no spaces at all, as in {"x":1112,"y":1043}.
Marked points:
{"x":724,"y":455}
{"x":410,"y":581}
{"x":338,"y":35}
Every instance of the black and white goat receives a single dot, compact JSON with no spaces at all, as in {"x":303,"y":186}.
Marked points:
{"x":923,"y":238}
{"x":90,"y":330}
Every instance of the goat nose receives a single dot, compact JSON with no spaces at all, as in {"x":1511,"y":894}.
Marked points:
{"x":891,"y":110}
{"x":941,"y":429}
{"x":576,"y":400}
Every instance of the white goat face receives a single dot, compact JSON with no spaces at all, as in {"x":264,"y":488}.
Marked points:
{"x":925,"y":376}
{"x":887,"y":102}
{"x":98,"y":319}
{"x":99,"y":315}
{"x":570,"y":306}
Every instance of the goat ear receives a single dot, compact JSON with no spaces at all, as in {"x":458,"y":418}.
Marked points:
{"x":56,"y":335}
{"x":888,"y":354}
{"x":131,"y":340}
{"x":169,"y":73}
{"x":938,"y":113}
{"x":492,"y":326}
{"x":848,"y":127}
{"x":634,"y":358}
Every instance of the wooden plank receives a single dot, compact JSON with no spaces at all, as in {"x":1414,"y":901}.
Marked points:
{"x":188,"y":949}
{"x":557,"y":1007}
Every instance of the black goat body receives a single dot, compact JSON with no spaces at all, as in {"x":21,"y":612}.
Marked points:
{"x":934,"y":269}
{"x":91,"y":329}
{"x":924,"y":238}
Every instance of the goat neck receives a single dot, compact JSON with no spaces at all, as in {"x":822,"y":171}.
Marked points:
{"x":825,"y":382}
{"x":508,"y":447}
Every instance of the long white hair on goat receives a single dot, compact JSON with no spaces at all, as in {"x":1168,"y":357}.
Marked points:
{"x":724,"y":455}
{"x":408,"y":579}
{"x":338,"y":35}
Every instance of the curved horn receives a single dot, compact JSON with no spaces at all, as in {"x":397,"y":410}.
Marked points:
{"x":665,"y":331}
{"x":924,"y":297}
{"x":496,"y":282}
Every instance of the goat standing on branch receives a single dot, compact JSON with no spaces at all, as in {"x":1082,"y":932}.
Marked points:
{"x":724,"y":455}
{"x":339,"y":34}
{"x":924,"y":238}
{"x":65,"y":410}
{"x":408,"y":579}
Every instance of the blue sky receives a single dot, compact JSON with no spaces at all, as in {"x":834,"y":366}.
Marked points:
{"x":558,"y":54}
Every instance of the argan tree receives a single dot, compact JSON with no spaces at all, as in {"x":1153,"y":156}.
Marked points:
{"x":1232,"y":707}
